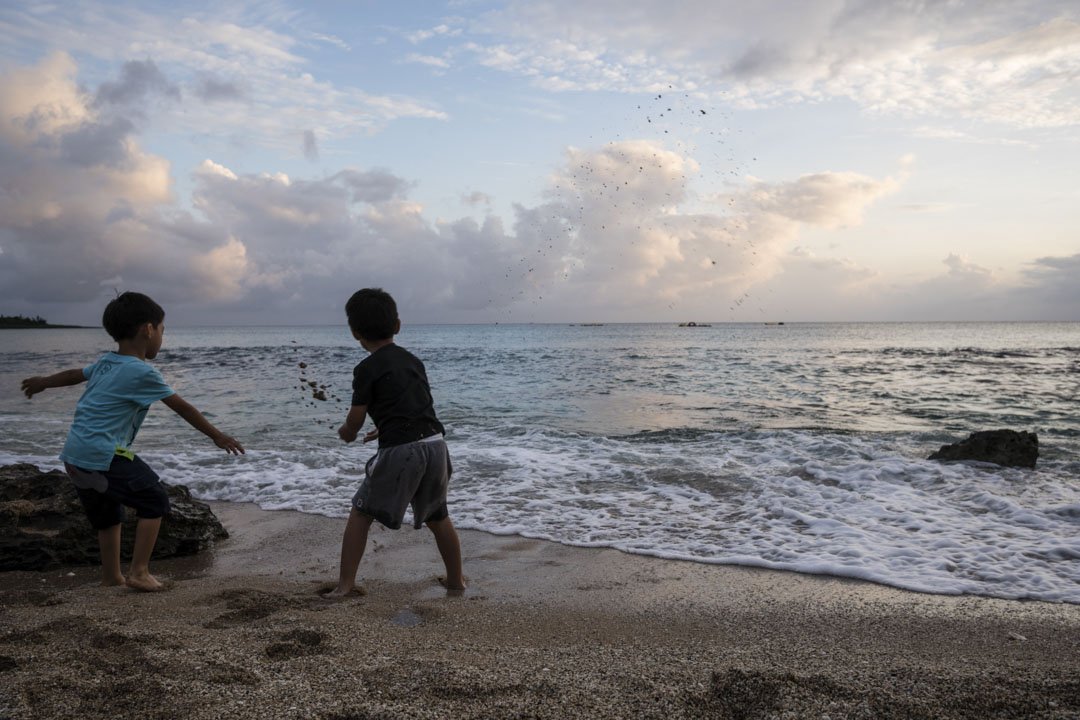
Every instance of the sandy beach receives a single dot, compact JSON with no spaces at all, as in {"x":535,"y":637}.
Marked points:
{"x":544,"y":631}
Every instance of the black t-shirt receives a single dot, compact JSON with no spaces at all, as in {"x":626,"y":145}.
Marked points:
{"x":394,"y":386}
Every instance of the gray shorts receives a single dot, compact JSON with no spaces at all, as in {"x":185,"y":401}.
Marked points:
{"x":398,"y":476}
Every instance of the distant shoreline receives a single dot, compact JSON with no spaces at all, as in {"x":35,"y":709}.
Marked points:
{"x":8,"y":326}
{"x":713,"y":324}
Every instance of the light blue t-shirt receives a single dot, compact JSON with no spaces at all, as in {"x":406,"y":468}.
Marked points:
{"x":120,"y":390}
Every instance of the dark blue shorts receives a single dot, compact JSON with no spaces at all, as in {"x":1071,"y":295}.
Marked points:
{"x":131,"y":483}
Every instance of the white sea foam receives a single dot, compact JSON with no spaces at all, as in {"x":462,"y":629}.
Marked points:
{"x":809,"y":502}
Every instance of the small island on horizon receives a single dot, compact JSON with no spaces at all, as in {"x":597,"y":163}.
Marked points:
{"x":8,"y":322}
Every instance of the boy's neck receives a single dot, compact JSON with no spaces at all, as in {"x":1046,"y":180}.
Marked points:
{"x":134,"y":347}
{"x":372,"y":345}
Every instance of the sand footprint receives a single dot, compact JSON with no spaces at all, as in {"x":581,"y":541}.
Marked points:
{"x":296,"y":643}
{"x":247,"y":605}
{"x":105,"y":640}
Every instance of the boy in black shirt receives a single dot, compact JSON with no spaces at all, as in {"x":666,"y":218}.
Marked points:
{"x":412,"y":466}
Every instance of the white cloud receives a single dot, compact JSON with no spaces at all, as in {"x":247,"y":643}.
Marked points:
{"x":41,"y":99}
{"x":429,"y":60}
{"x":420,"y":36}
{"x":211,"y":167}
{"x":331,"y":40}
{"x":929,"y":207}
{"x":222,"y":271}
{"x":829,"y":200}
{"x":79,"y":199}
{"x":952,"y":134}
{"x":476,"y":198}
{"x":1049,"y":289}
{"x":960,"y":266}
{"x":611,"y":233}
{"x":965,"y":291}
{"x":615,"y":236}
{"x":619,"y":233}
{"x":829,"y":289}
{"x":811,"y":287}
{"x":64,"y":158}
{"x":270,"y":86}
{"x":1010,"y":64}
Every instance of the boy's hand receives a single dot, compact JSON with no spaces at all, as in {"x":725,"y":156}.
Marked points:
{"x":229,"y":445}
{"x":195,"y":418}
{"x":353,"y":422}
{"x":347,"y":433}
{"x":32,"y":386}
{"x":372,"y":434}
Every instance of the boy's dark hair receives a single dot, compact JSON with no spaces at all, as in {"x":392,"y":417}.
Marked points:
{"x":127,"y":312}
{"x":372,"y":314}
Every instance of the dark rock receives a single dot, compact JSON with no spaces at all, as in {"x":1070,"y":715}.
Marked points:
{"x":1003,"y":447}
{"x":42,"y":524}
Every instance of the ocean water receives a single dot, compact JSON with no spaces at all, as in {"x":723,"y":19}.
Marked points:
{"x":800,"y":447}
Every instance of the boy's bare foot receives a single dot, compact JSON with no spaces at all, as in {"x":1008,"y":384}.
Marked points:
{"x":452,"y":589}
{"x":144,"y":582}
{"x":112,"y":581}
{"x":334,"y":591}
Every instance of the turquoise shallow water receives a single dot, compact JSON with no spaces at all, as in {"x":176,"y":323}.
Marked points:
{"x":799,"y":446}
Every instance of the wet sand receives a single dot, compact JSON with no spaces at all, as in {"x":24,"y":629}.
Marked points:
{"x":544,"y":631}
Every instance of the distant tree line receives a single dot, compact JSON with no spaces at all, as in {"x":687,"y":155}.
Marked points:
{"x":18,"y":321}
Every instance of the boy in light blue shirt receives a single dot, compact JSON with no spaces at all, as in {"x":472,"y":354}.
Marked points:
{"x":107,"y":475}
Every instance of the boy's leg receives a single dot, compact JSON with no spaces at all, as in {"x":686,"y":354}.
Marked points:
{"x":132,"y":483}
{"x":447,"y":541}
{"x":107,"y":515}
{"x":109,"y":543}
{"x":353,"y":543}
{"x":139,"y":577}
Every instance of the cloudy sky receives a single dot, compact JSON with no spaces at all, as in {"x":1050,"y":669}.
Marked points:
{"x":544,"y":160}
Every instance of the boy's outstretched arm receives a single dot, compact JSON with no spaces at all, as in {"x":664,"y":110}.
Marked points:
{"x":33,"y":385}
{"x":353,"y":422}
{"x":195,"y":418}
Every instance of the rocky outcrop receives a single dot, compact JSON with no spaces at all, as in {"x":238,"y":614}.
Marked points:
{"x":1002,"y":447}
{"x":42,"y":524}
